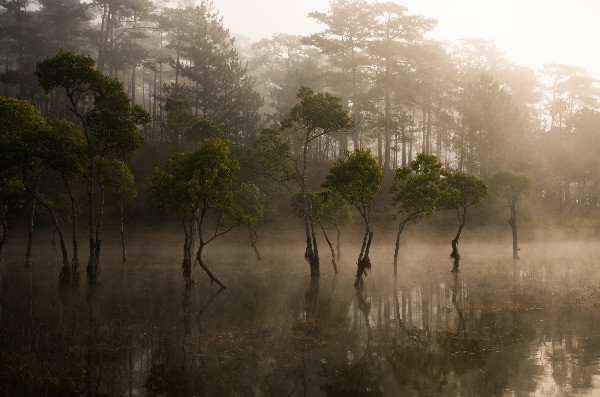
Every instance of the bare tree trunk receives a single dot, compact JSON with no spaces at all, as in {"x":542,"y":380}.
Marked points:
{"x":75,"y":276}
{"x":186,"y":265}
{"x":3,"y":233}
{"x":454,"y":254}
{"x":124,"y":251}
{"x":253,"y":239}
{"x":400,"y":229}
{"x":513,"y":225}
{"x":364,"y":262}
{"x":213,"y":278}
{"x":330,"y":247}
{"x":30,"y":234}
{"x":337,"y":229}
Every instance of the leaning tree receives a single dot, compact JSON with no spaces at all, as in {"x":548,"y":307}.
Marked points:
{"x":470,"y":191}
{"x":417,"y":192}
{"x":507,"y":187}
{"x":357,"y":179}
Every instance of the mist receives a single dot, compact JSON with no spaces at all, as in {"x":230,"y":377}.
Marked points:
{"x":355,"y":199}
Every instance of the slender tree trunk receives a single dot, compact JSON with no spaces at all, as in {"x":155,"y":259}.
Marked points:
{"x":30,"y":234}
{"x":311,"y":254}
{"x":454,"y":254}
{"x":330,"y":247}
{"x":213,"y":278}
{"x":64,"y":278}
{"x":337,"y":229}
{"x":186,"y":265}
{"x":91,"y":220}
{"x":513,"y":225}
{"x":364,"y":262}
{"x":75,"y":260}
{"x":3,"y":234}
{"x":400,"y":229}
{"x":388,"y":138}
{"x":124,"y":250}
{"x":253,"y":239}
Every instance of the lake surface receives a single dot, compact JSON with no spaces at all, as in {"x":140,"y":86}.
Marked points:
{"x":497,"y":328}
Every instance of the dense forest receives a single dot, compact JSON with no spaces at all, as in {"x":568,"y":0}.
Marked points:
{"x":106,"y":101}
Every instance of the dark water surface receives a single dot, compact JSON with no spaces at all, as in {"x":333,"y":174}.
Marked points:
{"x":494,"y":329}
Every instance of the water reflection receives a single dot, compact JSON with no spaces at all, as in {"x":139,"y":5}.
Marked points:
{"x":531,"y":328}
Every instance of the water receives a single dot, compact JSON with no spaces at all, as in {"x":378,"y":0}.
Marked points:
{"x":494,"y":329}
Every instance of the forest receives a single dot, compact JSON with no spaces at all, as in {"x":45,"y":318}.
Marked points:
{"x":148,"y":141}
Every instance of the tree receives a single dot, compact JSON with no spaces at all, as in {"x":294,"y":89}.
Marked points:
{"x":248,"y":204}
{"x":344,"y":40}
{"x":118,"y":180}
{"x":357,"y":179}
{"x":199,"y":184}
{"x":469,"y":190}
{"x":316,"y":115}
{"x":417,"y":192}
{"x":508,"y":186}
{"x":318,"y":203}
{"x":109,"y":124}
{"x":63,"y":151}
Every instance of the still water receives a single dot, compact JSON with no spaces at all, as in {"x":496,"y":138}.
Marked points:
{"x":497,"y":328}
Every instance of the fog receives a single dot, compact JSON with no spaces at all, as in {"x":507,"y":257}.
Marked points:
{"x":353,"y":198}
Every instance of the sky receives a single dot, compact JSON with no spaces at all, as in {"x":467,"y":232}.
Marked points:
{"x":531,"y":32}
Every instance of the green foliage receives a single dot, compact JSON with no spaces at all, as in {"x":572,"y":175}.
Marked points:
{"x":419,"y":190}
{"x":20,"y":128}
{"x":118,"y":179}
{"x":183,"y":127}
{"x":110,"y":125}
{"x":201,"y":179}
{"x":72,"y":71}
{"x":508,"y":185}
{"x":470,"y":190}
{"x":321,"y":111}
{"x":356,"y":179}
{"x":248,"y":205}
{"x":64,"y":149}
{"x":270,"y":155}
{"x":325,"y":207}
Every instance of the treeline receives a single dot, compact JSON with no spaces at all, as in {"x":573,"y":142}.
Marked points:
{"x":239,"y":120}
{"x":406,"y":93}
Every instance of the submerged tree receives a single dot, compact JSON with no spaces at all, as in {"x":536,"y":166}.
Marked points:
{"x":357,"y":179}
{"x":118,"y":180}
{"x":417,"y":192}
{"x":199,"y":184}
{"x":248,"y":204}
{"x":508,"y":186}
{"x":109,"y":124}
{"x":316,"y":115}
{"x":320,"y":204}
{"x":470,"y":190}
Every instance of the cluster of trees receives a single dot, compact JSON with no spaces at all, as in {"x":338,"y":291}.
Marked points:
{"x":371,"y":98}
